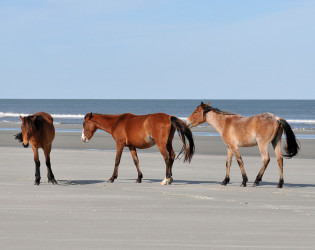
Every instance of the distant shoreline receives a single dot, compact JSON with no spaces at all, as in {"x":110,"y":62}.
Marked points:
{"x":69,"y":113}
{"x":203,"y":130}
{"x":207,"y":141}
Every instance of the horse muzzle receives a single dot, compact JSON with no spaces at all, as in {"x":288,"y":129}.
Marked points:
{"x":25,"y":145}
{"x":188,"y":123}
{"x":84,"y":138}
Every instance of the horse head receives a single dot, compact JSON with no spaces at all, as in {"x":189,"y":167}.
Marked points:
{"x":89,"y":128}
{"x":198,"y":116}
{"x":27,"y":130}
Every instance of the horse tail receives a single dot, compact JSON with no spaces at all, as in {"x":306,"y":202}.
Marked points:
{"x":292,"y":148}
{"x":183,"y":133}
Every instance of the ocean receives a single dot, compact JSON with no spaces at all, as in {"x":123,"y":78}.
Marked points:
{"x":299,"y":113}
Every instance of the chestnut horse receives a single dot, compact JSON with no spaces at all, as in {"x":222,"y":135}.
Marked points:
{"x":237,"y":131}
{"x":38,"y":129}
{"x":141,"y":131}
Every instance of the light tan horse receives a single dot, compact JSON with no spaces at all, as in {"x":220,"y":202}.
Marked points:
{"x":237,"y":131}
{"x":141,"y":131}
{"x":39,"y":130}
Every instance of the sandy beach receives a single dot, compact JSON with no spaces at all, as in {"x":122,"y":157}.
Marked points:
{"x":195,"y":212}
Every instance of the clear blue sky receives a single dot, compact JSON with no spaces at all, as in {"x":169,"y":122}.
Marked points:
{"x":195,"y":49}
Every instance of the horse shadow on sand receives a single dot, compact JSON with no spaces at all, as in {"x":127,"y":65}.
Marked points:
{"x":182,"y":182}
{"x":288,"y":185}
{"x":262,"y":184}
{"x":78,"y":182}
{"x":186,"y":182}
{"x":91,"y":182}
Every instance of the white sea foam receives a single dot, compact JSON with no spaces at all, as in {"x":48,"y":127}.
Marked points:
{"x":3,"y":114}
{"x":80,"y":116}
{"x":68,"y":116}
{"x":289,"y":121}
{"x":183,"y":118}
{"x":302,"y":121}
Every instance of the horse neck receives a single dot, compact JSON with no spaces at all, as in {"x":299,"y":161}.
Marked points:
{"x":106,"y":122}
{"x":216,"y":120}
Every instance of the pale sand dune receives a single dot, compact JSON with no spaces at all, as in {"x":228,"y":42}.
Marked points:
{"x":195,"y":212}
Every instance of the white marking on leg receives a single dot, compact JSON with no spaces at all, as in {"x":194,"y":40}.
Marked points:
{"x":167,"y":181}
{"x":164,"y":182}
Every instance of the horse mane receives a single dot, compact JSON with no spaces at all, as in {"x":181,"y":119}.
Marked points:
{"x":218,"y":111}
{"x":38,"y":122}
{"x":90,"y":115}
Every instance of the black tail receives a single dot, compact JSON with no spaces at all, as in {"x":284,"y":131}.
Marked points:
{"x":19,"y":137}
{"x":293,"y":147}
{"x":183,"y":133}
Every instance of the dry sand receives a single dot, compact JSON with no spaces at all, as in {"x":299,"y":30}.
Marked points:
{"x":195,"y":212}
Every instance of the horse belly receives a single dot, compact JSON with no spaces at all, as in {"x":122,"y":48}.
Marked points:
{"x":247,"y":142}
{"x":142,"y":143}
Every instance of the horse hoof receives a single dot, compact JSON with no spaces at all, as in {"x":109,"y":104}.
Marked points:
{"x":138,"y":181}
{"x":256,"y":184}
{"x":224,"y":183}
{"x":36,"y":183}
{"x":280,"y":184}
{"x":170,"y":181}
{"x":53,"y":181}
{"x":167,"y":181}
{"x":243,"y":185}
{"x":110,"y":181}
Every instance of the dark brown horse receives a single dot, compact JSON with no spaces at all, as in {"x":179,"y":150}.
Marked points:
{"x":237,"y":131}
{"x":38,"y":129}
{"x":141,"y":131}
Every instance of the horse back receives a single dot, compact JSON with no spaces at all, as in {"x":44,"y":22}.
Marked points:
{"x":47,"y":117}
{"x":248,"y":131}
{"x":142,"y":130}
{"x":146,"y":122}
{"x":45,"y":130}
{"x":157,"y":123}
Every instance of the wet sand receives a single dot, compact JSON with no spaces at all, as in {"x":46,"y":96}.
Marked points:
{"x":195,"y":212}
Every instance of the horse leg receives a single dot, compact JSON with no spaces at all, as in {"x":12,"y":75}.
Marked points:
{"x":228,"y":166}
{"x":134,"y":155}
{"x":50,"y":175}
{"x":265,"y":160}
{"x":172,"y":161}
{"x":276,"y":143}
{"x":167,"y":155}
{"x":37,"y":166}
{"x":120,"y":148}
{"x":171,"y":153}
{"x":238,"y":157}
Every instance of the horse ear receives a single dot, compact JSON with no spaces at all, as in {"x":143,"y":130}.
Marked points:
{"x":203,"y":105}
{"x":90,"y":116}
{"x":22,"y":119}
